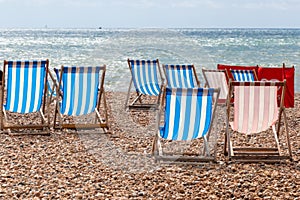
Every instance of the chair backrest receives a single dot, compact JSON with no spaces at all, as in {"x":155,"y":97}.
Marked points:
{"x":188,"y":113}
{"x":217,"y":79}
{"x":80,"y":89}
{"x":181,"y":76}
{"x":144,"y":76}
{"x":255,"y":105}
{"x":26,"y":82}
{"x":243,"y":75}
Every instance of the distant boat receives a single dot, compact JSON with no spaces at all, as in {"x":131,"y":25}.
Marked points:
{"x":100,"y":27}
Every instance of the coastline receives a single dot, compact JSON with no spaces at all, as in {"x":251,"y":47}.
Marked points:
{"x":118,"y":165}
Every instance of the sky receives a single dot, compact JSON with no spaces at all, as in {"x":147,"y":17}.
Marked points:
{"x":150,"y":13}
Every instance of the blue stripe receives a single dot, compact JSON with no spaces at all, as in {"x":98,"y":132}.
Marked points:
{"x":144,"y":84}
{"x":95,"y":90}
{"x":245,"y":75}
{"x":207,"y":116}
{"x":17,"y":89}
{"x":139,"y":74}
{"x":251,"y":76}
{"x":157,"y":86}
{"x":155,"y":73}
{"x":138,"y":78}
{"x":73,"y":85}
{"x":198,"y":114}
{"x":185,"y":78}
{"x":177,"y":67}
{"x":135,"y":79}
{"x":153,"y":80}
{"x":165,"y":129}
{"x":177,"y":116}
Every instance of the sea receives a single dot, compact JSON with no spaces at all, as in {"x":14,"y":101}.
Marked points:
{"x":203,"y":47}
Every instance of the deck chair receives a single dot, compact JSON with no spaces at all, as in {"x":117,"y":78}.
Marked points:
{"x":244,"y":75}
{"x":181,"y":76}
{"x":188,"y":115}
{"x":217,"y":79}
{"x":256,"y":112}
{"x":24,"y":91}
{"x":80,"y":92}
{"x":144,"y":76}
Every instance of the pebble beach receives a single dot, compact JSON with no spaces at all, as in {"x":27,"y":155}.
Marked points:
{"x":118,"y":165}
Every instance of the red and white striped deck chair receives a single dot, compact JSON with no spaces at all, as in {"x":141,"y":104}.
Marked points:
{"x":255,"y":112}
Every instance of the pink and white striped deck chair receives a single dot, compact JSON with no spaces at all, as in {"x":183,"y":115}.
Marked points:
{"x":217,"y":79}
{"x":255,"y":111}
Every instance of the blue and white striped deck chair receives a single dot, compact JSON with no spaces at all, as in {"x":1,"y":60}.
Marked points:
{"x":181,"y":76}
{"x":82,"y":92}
{"x":25,"y":91}
{"x":244,"y":75}
{"x":188,"y":115}
{"x":147,"y":80}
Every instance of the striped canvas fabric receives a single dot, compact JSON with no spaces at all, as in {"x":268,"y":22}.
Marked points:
{"x":25,"y":86}
{"x":188,"y":113}
{"x":144,"y":75}
{"x":243,"y":75}
{"x":179,"y":76}
{"x":255,"y":107}
{"x":80,"y":90}
{"x":217,"y":79}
